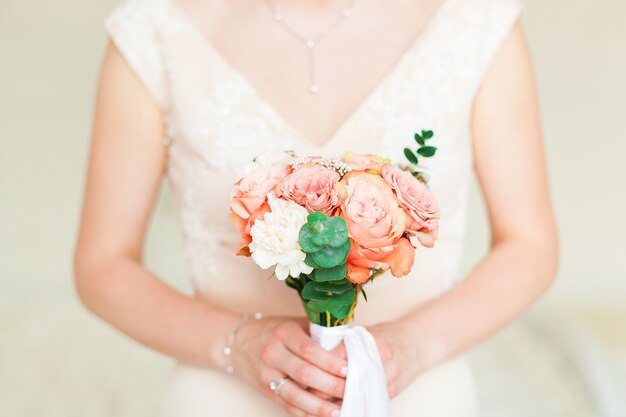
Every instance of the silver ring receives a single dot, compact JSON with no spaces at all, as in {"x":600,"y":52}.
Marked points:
{"x":276,"y":386}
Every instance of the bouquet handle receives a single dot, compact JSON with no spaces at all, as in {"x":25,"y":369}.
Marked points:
{"x":366,"y":384}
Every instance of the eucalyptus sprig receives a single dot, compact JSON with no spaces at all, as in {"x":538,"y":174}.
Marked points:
{"x":327,"y":295}
{"x":424,"y":150}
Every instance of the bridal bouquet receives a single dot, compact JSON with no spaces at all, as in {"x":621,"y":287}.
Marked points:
{"x":327,"y":226}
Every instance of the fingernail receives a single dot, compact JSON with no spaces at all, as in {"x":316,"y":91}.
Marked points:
{"x":344,"y":372}
{"x":335,"y":413}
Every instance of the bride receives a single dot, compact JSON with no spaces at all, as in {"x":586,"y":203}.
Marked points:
{"x":192,"y":90}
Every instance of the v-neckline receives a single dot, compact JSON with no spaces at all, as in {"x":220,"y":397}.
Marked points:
{"x":376,"y":90}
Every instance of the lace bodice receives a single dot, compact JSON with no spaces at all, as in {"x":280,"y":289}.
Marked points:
{"x":217,"y":123}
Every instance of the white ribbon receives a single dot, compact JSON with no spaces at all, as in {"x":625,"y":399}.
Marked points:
{"x":366,"y":384}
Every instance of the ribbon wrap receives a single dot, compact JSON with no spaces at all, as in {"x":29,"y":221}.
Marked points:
{"x":365,"y":394}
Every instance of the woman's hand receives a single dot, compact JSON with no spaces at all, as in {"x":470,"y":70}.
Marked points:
{"x":402,"y":359}
{"x":270,"y":349}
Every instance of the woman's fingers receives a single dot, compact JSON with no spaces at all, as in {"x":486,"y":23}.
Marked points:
{"x":306,"y":373}
{"x":301,"y":399}
{"x":267,"y":375}
{"x":321,"y":394}
{"x":340,"y":351}
{"x":293,"y":410}
{"x":296,"y":400}
{"x":391,"y":365}
{"x":300,"y":343}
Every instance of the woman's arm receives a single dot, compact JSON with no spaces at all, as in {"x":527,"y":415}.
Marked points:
{"x":126,"y":166}
{"x":521,"y":264}
{"x":125,"y":170}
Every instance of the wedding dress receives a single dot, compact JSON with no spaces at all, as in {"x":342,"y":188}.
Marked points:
{"x":217,"y":123}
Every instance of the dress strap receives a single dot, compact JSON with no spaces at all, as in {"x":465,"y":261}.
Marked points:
{"x":134,"y":27}
{"x":500,"y":18}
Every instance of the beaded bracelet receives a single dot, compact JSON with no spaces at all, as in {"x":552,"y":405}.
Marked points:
{"x":228,"y":349}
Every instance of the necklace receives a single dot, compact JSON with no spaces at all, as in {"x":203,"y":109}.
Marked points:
{"x":310,"y":43}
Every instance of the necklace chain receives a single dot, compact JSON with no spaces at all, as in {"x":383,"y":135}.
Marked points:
{"x":311,"y":42}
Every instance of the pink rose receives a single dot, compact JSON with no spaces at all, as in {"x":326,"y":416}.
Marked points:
{"x":250,"y":192}
{"x":314,"y":187}
{"x":248,"y":200}
{"x":376,"y":223}
{"x":418,"y":202}
{"x":364,"y":162}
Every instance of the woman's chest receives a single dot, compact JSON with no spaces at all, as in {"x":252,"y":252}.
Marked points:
{"x":315,"y":64}
{"x":219,"y":115}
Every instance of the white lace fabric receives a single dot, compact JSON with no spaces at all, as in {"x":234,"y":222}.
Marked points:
{"x":218,"y":123}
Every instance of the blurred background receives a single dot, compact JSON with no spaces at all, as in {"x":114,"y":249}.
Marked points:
{"x":565,"y":357}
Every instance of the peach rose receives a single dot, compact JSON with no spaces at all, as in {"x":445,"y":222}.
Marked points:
{"x":364,"y":162}
{"x":248,"y":200}
{"x":314,"y":187}
{"x":360,"y":261}
{"x":418,"y":202}
{"x":376,"y":223}
{"x":245,"y":225}
{"x":250,"y":192}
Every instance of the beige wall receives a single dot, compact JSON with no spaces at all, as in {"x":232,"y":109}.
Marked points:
{"x":49,"y":55}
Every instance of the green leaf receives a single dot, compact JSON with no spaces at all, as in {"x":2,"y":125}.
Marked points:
{"x":318,"y":306}
{"x":427,"y":134}
{"x":321,"y":234}
{"x":325,"y":290}
{"x":328,"y":257}
{"x":309,"y":292}
{"x":340,"y":311}
{"x":336,"y":287}
{"x":314,"y":315}
{"x":427,"y":151}
{"x":331,"y":274}
{"x":313,"y":291}
{"x":364,"y":294}
{"x":316,"y":217}
{"x":339,"y":254}
{"x":346,"y":297}
{"x":339,"y":306}
{"x":419,"y":139}
{"x":293,"y":283}
{"x":346,"y":250}
{"x":305,"y":239}
{"x":339,"y":230}
{"x":310,"y":262}
{"x":410,"y":156}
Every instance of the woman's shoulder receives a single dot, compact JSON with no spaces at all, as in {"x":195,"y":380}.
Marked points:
{"x":490,"y":22}
{"x":493,"y":11}
{"x":480,"y":10}
{"x":145,"y":14}
{"x":134,"y":27}
{"x":482,"y":18}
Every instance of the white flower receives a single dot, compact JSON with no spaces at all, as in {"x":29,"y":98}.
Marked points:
{"x":275,"y":238}
{"x":266,"y":159}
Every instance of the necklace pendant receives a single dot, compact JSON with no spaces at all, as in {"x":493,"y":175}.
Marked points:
{"x":310,"y":43}
{"x":314,"y":88}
